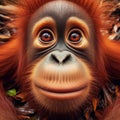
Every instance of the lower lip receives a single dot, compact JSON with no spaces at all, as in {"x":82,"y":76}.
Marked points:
{"x":63,"y":95}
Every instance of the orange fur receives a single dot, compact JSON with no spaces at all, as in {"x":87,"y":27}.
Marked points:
{"x":13,"y":53}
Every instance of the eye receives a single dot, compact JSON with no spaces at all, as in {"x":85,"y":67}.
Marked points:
{"x":75,"y":36}
{"x":46,"y":36}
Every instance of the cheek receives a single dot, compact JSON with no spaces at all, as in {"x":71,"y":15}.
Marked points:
{"x":61,"y":88}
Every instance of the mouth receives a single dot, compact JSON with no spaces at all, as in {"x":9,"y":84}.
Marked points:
{"x":63,"y":94}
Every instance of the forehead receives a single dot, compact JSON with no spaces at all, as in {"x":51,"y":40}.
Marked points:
{"x":60,"y":10}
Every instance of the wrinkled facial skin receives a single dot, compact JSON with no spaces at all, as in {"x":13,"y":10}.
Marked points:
{"x":61,"y":50}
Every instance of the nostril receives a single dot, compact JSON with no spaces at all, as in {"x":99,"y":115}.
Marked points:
{"x":67,"y":58}
{"x":60,"y":58}
{"x":54,"y":58}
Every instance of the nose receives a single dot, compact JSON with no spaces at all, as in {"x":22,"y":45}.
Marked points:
{"x":60,"y":57}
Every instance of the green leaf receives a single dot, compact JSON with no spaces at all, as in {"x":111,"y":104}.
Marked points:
{"x":12,"y":92}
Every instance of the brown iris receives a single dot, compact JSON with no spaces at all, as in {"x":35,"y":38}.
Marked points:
{"x":75,"y":36}
{"x":46,"y":36}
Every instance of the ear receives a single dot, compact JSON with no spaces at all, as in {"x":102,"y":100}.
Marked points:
{"x":6,"y":18}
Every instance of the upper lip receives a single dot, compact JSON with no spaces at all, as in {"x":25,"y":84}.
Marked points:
{"x":62,"y":91}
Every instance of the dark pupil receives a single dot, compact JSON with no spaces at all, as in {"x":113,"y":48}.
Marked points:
{"x":75,"y":37}
{"x":46,"y":37}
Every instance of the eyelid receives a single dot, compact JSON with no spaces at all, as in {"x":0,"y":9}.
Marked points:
{"x":46,"y":29}
{"x":72,"y":30}
{"x":74,"y":22}
{"x":46,"y":22}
